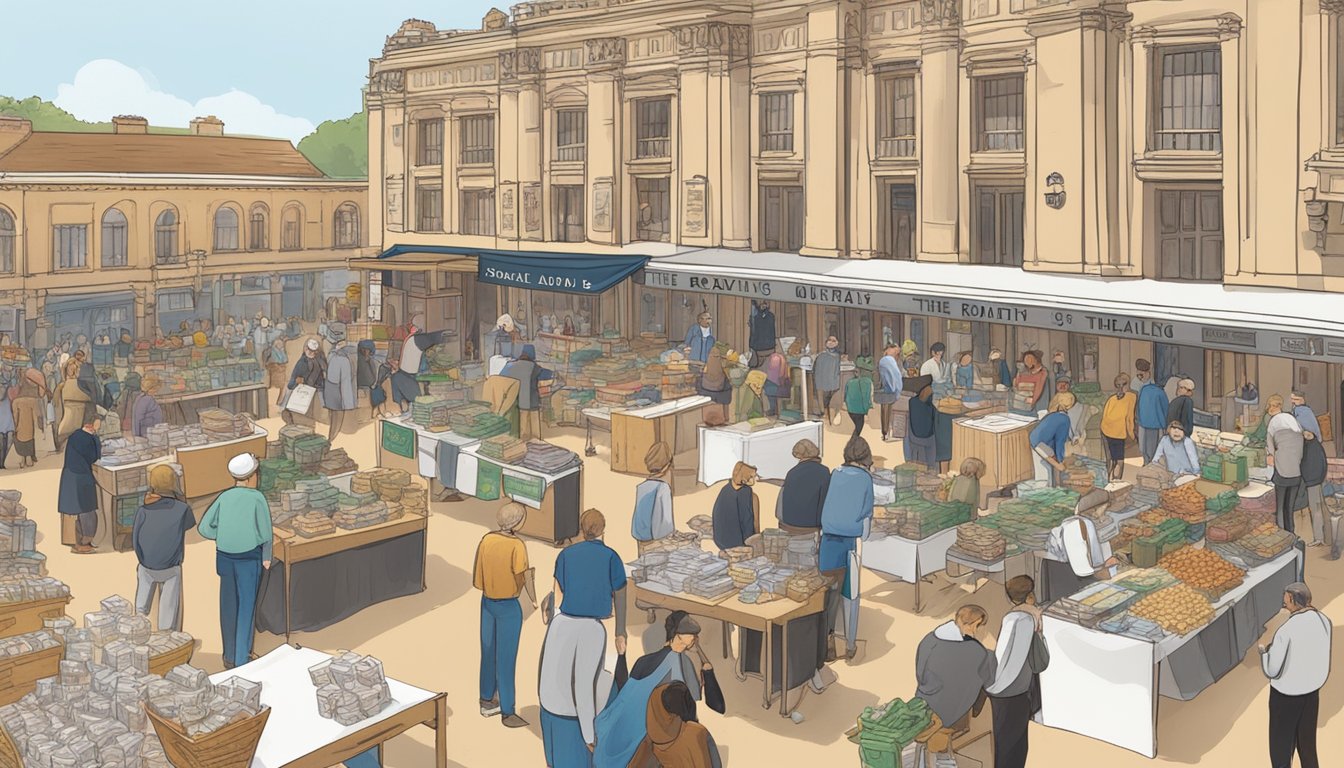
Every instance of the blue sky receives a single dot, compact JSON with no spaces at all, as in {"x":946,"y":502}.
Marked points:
{"x":276,"y":67}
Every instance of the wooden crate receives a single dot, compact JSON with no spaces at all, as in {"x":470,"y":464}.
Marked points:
{"x":230,"y":747}
{"x":9,"y":752}
{"x":19,"y":675}
{"x":19,"y":618}
{"x":163,"y":663}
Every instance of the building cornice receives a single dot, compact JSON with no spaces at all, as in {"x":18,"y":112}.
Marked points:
{"x":158,"y":181}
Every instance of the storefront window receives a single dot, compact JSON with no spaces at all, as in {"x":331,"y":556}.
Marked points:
{"x":550,"y":310}
{"x":683,"y":310}
{"x":792,"y":320}
{"x":652,"y":311}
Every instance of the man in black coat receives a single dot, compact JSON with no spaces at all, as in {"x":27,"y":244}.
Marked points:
{"x":78,"y":493}
{"x":761,"y":332}
{"x":1182,"y":407}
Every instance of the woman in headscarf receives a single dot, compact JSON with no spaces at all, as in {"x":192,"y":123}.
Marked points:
{"x":675,"y":738}
{"x":73,"y":404}
{"x":29,"y":409}
{"x":714,"y":382}
{"x":776,"y":381}
{"x":622,"y":725}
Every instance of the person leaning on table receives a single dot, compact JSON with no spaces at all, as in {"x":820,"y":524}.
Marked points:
{"x":1075,"y":554}
{"x":239,"y":522}
{"x":1050,"y":438}
{"x":1297,"y":663}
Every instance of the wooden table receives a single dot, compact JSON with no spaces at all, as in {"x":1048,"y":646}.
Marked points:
{"x":28,"y":615}
{"x":1002,"y":441}
{"x":554,"y":517}
{"x":114,"y":482}
{"x":761,"y":617}
{"x":205,"y":468}
{"x":635,"y":430}
{"x":248,"y":398}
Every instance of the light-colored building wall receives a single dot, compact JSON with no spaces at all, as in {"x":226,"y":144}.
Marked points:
{"x":782,"y":134}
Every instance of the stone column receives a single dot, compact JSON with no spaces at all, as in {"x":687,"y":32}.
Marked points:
{"x":940,"y":176}
{"x":1076,"y":136}
{"x":825,"y":118}
{"x":604,"y":59}
{"x":714,"y":176}
{"x":521,"y":135}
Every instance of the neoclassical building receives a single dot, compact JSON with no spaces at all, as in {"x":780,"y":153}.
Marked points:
{"x":136,"y":230}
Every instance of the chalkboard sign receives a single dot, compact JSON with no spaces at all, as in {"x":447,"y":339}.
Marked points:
{"x":398,"y":440}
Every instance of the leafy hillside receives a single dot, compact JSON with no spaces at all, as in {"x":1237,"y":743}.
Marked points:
{"x":46,"y":116}
{"x":340,"y":148}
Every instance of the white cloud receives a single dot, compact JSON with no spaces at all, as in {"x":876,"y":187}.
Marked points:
{"x":104,"y":88}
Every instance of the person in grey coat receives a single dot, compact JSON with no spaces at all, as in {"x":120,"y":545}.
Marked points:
{"x":159,"y":537}
{"x":826,"y":375}
{"x":338,"y":393}
{"x":953,"y":668}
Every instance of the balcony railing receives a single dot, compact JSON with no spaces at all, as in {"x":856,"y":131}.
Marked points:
{"x":902,"y":146}
{"x":478,"y":156}
{"x":575,"y":153}
{"x":658,"y":147}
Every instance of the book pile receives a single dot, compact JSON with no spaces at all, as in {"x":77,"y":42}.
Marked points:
{"x":504,"y":448}
{"x":350,"y":688}
{"x":776,"y":580}
{"x":710,"y":586}
{"x":322,"y":495}
{"x":307,"y":451}
{"x":801,"y":552}
{"x":19,"y":588}
{"x":29,"y":642}
{"x":480,"y":426}
{"x":981,"y":543}
{"x":747,"y":571}
{"x":364,"y":516}
{"x":548,"y":459}
{"x":337,"y":462}
{"x":219,"y":424}
{"x":1077,"y":477}
{"x":126,"y":449}
{"x":803,"y":585}
{"x":431,"y":412}
{"x":924,"y":519}
{"x":186,"y":697}
{"x":310,"y":525}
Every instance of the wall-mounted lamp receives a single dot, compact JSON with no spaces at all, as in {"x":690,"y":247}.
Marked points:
{"x":1055,"y":195}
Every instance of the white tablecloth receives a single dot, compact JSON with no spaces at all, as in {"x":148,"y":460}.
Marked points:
{"x":295,"y":728}
{"x":896,"y":557}
{"x":1106,"y":686}
{"x":769,"y":450}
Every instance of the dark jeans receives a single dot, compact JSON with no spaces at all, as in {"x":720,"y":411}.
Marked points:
{"x":239,"y":579}
{"x":86,"y":524}
{"x":1285,"y":500}
{"x":6,"y":438}
{"x":858,"y":419}
{"x":501,"y":624}
{"x":1010,"y":714}
{"x":1292,"y":725}
{"x":824,"y":400}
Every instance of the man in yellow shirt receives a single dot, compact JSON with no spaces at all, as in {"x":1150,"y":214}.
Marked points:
{"x":1117,"y":424}
{"x":501,"y":573}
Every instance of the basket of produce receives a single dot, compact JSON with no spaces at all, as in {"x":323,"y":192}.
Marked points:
{"x":1094,"y":603}
{"x":1178,"y":609}
{"x":1204,"y":570}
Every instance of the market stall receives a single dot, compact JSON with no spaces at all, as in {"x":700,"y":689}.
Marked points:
{"x":244,"y":398}
{"x":324,"y":573}
{"x":1001,"y":441}
{"x":205,"y":467}
{"x":909,"y":560}
{"x":770,"y":450}
{"x":121,"y":489}
{"x":436,"y":456}
{"x":635,"y":430}
{"x":297,"y":736}
{"x":554,"y":499}
{"x":1131,"y":672}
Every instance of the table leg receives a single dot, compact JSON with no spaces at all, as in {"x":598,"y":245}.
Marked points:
{"x":767,"y":665}
{"x":727,"y":640}
{"x":441,"y":732}
{"x":289,"y":569}
{"x":784,"y":671}
{"x":918,"y":580}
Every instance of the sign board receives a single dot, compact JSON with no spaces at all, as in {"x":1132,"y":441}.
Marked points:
{"x":681,"y":278}
{"x":398,"y":440}
{"x":566,"y":273}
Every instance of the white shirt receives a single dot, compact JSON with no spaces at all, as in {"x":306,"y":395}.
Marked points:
{"x":1012,"y":649}
{"x":940,"y":371}
{"x":1067,"y":545}
{"x":1298,"y":661}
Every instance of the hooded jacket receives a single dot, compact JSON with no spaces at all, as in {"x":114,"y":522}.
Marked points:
{"x":672,"y":742}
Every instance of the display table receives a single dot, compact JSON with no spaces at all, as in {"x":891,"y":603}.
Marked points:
{"x":1106,"y":686}
{"x":296,"y":736}
{"x":763,"y":617}
{"x":635,"y":430}
{"x":205,"y":468}
{"x":1002,"y":442}
{"x":769,"y":450}
{"x":403,"y":444}
{"x":900,"y":559}
{"x":316,"y":582}
{"x":553,"y":502}
{"x":120,"y":484}
{"x":245,"y":398}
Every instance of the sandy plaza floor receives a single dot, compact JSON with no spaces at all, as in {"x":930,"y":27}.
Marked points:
{"x":431,"y":639}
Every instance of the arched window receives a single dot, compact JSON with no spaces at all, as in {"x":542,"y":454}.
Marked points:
{"x":226,"y":229}
{"x":114,"y":238}
{"x":165,"y":236}
{"x":7,"y":234}
{"x":291,"y":228}
{"x":256,"y":228}
{"x":347,"y":226}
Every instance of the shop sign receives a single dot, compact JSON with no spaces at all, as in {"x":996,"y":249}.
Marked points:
{"x":1075,"y":321}
{"x":693,"y":207}
{"x":398,"y":440}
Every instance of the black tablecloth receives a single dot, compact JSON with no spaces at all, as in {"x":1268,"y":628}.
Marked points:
{"x":807,"y":650}
{"x":332,"y":588}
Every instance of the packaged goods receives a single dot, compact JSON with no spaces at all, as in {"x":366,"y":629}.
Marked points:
{"x":1267,"y":541}
{"x":350,"y":687}
{"x":986,"y":544}
{"x":1093,"y":603}
{"x":1202,"y":569}
{"x":1178,"y":609}
{"x":1145,"y":580}
{"x":1185,"y":502}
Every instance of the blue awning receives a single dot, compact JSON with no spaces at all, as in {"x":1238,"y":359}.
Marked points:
{"x":538,"y":270}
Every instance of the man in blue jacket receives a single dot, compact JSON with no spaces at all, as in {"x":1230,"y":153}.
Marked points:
{"x":699,"y":339}
{"x":1050,"y":438}
{"x":1151,"y":416}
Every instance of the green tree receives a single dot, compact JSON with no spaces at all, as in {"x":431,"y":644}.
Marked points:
{"x":340,"y":148}
{"x":46,"y":116}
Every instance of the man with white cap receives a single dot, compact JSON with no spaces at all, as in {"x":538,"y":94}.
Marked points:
{"x":239,"y":522}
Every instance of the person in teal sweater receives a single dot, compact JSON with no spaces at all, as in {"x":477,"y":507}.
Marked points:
{"x":859,"y":393}
{"x":239,"y":522}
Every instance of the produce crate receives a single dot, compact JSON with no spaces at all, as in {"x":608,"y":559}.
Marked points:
{"x":163,"y":663}
{"x":230,"y":747}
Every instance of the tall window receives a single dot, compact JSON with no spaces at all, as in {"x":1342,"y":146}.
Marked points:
{"x":165,"y":237}
{"x":997,"y":221}
{"x":567,"y":212}
{"x":478,"y":140}
{"x":429,"y":142}
{"x":226,"y":229}
{"x":1189,"y":101}
{"x":7,"y":237}
{"x":291,"y":228}
{"x":256,"y":228}
{"x":114,"y":238}
{"x":478,"y":212}
{"x":571,"y":135}
{"x":896,"y":117}
{"x":781,"y":218}
{"x":346,"y":221}
{"x":428,"y":209}
{"x":777,"y":122}
{"x":1000,"y":113}
{"x":1190,"y":234}
{"x":653,"y":130}
{"x":653,"y":204}
{"x":70,"y":245}
{"x":899,"y":223}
